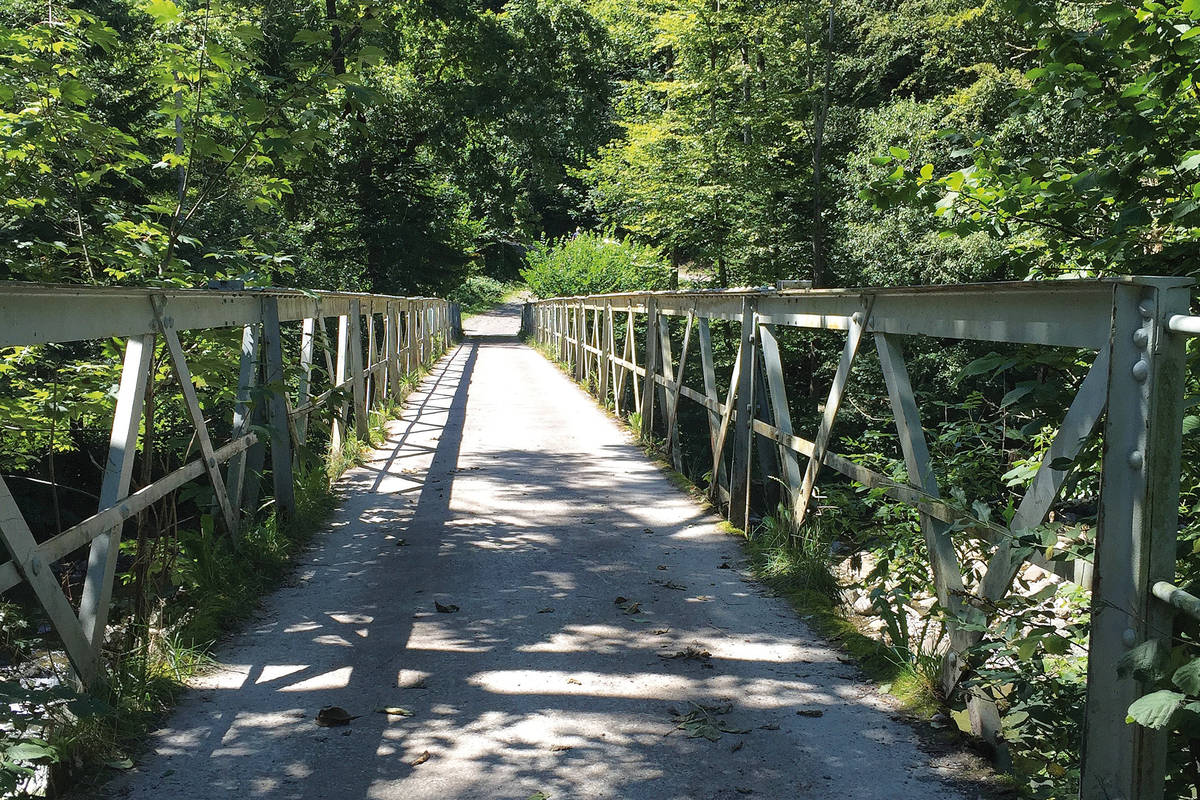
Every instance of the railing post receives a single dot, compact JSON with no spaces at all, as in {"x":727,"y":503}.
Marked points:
{"x":408,"y":337}
{"x":392,"y":325}
{"x":277,"y":413}
{"x":647,"y":429}
{"x":308,"y":331}
{"x":720,"y":475}
{"x":777,"y":395}
{"x":743,"y":432}
{"x":560,"y":324}
{"x":356,"y":371}
{"x":1135,"y":535}
{"x":122,"y":447}
{"x":581,"y":354}
{"x":631,"y":346}
{"x":235,"y":472}
{"x":606,"y":349}
{"x":341,"y":374}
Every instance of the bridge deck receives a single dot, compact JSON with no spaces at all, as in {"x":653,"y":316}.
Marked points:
{"x":525,"y":506}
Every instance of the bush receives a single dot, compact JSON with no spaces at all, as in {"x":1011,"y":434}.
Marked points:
{"x":593,"y":263}
{"x":478,"y":293}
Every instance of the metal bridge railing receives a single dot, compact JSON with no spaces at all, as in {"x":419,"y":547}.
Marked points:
{"x":1135,"y":326}
{"x":379,"y":339}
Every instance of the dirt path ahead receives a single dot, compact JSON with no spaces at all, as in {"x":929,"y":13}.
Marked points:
{"x":472,"y":578}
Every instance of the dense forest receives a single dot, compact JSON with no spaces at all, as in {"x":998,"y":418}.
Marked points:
{"x":405,"y":146}
{"x":454,"y":147}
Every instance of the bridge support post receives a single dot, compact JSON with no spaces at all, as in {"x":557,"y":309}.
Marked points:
{"x":277,"y":411}
{"x":631,"y":346}
{"x":393,"y":350}
{"x":308,"y":331}
{"x":665,"y":374}
{"x":777,"y":397}
{"x":341,"y":375}
{"x":581,"y":353}
{"x":719,"y":477}
{"x":356,"y":371}
{"x":647,"y":408}
{"x":235,"y":473}
{"x":673,"y":443}
{"x":743,"y":432}
{"x":122,"y":447}
{"x":1136,"y":533}
{"x":606,"y":351}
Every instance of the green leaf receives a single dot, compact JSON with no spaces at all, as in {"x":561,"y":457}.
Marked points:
{"x":1187,"y":677}
{"x":1155,"y":710}
{"x":1113,"y":12}
{"x":1016,"y":394}
{"x":31,"y":751}
{"x":1131,"y":217}
{"x":899,"y":153}
{"x":1147,"y":662}
{"x":1027,"y":647}
{"x":163,"y":11}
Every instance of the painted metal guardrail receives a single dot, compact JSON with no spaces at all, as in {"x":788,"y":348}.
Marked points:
{"x":1135,"y":326}
{"x":379,"y":339}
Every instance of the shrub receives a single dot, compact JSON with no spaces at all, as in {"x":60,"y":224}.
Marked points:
{"x":593,"y":263}
{"x":478,"y":293}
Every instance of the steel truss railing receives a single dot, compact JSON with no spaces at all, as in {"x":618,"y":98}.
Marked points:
{"x":401,"y":334}
{"x":1137,"y":328}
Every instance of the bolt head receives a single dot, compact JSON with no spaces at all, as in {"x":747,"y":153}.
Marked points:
{"x":1141,"y":371}
{"x":1129,"y":637}
{"x":1146,"y":309}
{"x":1141,"y":337}
{"x":1136,"y":459}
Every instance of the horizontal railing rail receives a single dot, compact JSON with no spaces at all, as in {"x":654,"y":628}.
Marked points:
{"x":1132,"y":396}
{"x":379,"y":339}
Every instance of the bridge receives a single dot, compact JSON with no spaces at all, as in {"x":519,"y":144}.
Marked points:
{"x":512,"y":599}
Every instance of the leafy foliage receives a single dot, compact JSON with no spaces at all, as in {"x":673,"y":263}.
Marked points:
{"x":592,"y":263}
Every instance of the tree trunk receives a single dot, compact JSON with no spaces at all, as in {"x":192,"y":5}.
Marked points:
{"x":820,"y":277}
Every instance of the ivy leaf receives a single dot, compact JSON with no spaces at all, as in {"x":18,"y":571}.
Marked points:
{"x":1156,"y":710}
{"x":899,"y":153}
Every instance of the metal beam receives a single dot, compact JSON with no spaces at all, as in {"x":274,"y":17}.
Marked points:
{"x":118,"y":471}
{"x":184,"y":376}
{"x":858,"y":325}
{"x":1135,"y":535}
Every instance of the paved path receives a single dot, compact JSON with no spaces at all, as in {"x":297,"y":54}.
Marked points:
{"x":520,"y":502}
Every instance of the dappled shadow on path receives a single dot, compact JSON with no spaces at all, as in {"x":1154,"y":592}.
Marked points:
{"x":539,"y":681}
